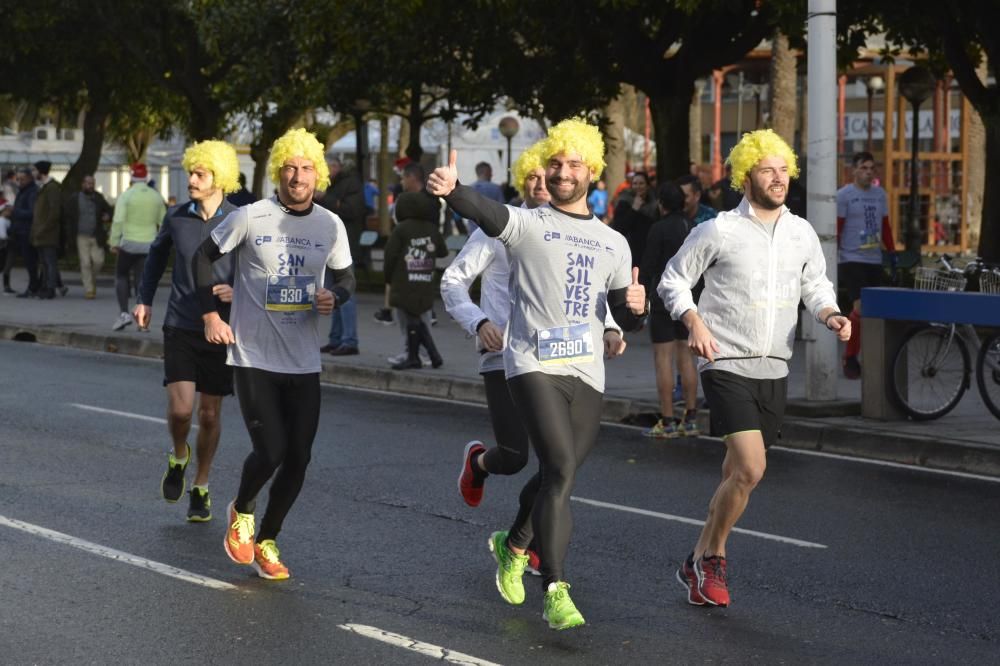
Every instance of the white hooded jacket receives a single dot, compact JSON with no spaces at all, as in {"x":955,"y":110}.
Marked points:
{"x":755,"y":276}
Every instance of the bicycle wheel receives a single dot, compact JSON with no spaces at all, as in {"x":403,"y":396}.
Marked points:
{"x":988,"y":373}
{"x":930,"y":372}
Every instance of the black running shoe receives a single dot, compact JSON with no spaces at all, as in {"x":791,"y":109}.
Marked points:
{"x":172,"y":485}
{"x":200,"y":508}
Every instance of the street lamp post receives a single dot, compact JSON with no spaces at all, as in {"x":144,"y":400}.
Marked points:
{"x":872,"y":86}
{"x":508,"y":128}
{"x":915,"y":84}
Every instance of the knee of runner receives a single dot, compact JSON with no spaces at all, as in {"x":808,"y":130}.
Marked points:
{"x":179,"y":414}
{"x":749,"y":474}
{"x":511,"y":462}
{"x":208,"y":417}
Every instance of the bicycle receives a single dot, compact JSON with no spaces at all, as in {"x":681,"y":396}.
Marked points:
{"x":931,"y":369}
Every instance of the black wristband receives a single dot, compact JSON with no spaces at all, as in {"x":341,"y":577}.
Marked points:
{"x":836,"y":313}
{"x":481,"y":324}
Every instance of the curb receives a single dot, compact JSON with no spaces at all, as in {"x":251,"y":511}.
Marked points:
{"x":797,"y":433}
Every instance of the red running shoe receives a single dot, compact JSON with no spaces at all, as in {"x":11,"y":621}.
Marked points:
{"x":470,"y":487}
{"x":689,"y":579}
{"x":534,"y":563}
{"x":711,"y":572}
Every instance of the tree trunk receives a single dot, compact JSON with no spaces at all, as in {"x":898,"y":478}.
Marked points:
{"x":976,"y":168}
{"x":404,"y":137}
{"x":385,"y":168}
{"x":614,"y":142}
{"x":782,"y":93}
{"x":669,"y":109}
{"x":94,"y":128}
{"x":694,"y":126}
{"x":989,"y":238}
{"x":259,"y":152}
{"x":416,"y":119}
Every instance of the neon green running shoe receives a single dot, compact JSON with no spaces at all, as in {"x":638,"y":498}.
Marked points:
{"x":560,"y":612}
{"x":510,"y":569}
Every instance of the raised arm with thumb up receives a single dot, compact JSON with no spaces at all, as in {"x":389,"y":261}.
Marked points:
{"x":635,"y":295}
{"x":443,"y":179}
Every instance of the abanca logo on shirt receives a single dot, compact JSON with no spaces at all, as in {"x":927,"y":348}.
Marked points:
{"x":286,"y":241}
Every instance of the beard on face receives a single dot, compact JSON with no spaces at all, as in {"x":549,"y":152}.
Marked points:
{"x":761,"y":197}
{"x":579,"y":191}
{"x":295,"y":197}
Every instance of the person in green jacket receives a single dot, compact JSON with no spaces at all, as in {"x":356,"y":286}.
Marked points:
{"x":45,"y":228}
{"x":410,"y":255}
{"x":138,"y":213}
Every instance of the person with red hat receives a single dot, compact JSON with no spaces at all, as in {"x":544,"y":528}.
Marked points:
{"x":138,"y":213}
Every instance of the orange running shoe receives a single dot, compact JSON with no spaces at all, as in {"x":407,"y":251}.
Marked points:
{"x":266,"y":562}
{"x":239,"y":537}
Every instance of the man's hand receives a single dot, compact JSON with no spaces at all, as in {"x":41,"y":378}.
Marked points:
{"x":700,"y":339}
{"x":223,"y":292}
{"x":443,"y":179}
{"x":637,"y":202}
{"x":114,"y":249}
{"x":142,"y":314}
{"x":840,"y":325}
{"x":635,"y":295}
{"x":217,"y":331}
{"x":614,"y":344}
{"x":324,"y":301}
{"x":490,"y":336}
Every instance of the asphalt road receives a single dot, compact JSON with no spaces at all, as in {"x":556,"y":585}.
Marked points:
{"x":848,"y":562}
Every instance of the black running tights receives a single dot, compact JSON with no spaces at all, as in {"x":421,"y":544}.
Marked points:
{"x":562,"y":415}
{"x":281,"y":412}
{"x":127,"y":265}
{"x":510,"y":455}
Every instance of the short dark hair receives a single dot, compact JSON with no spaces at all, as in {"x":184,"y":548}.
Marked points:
{"x":670,"y":196}
{"x":689,"y":179}
{"x":25,"y":170}
{"x":482,"y":167}
{"x":863,"y":156}
{"x":415,"y":169}
{"x":43,"y":167}
{"x":641,"y":174}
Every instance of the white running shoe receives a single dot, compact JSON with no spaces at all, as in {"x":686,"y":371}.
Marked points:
{"x":124,"y":319}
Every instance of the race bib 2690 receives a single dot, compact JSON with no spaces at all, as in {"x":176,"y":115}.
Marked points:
{"x":564,"y":345}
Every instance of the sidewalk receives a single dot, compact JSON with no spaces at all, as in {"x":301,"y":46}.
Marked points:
{"x":966,"y":440}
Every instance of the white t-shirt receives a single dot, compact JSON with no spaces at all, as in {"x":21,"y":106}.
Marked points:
{"x":281,"y":259}
{"x":561,"y":269}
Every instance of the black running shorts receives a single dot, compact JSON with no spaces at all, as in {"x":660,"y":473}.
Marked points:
{"x":189,"y":357}
{"x":737,"y":404}
{"x":664,"y":329}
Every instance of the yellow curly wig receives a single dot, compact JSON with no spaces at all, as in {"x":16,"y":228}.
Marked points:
{"x":299,"y":143}
{"x":526,"y":162}
{"x":219,"y":158}
{"x":574,"y":135}
{"x":752,"y":148}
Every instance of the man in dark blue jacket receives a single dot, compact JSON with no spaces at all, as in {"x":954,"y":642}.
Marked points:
{"x":191,"y":364}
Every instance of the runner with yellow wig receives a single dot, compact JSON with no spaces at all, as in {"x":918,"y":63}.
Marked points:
{"x":192,"y":365}
{"x":568,"y":271}
{"x":294,"y":264}
{"x":758,"y":260}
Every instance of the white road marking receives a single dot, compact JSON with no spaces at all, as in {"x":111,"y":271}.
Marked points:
{"x":888,"y":463}
{"x":427,"y":649}
{"x":692,"y":521}
{"x":844,"y":457}
{"x":128,"y":415}
{"x":120,"y":556}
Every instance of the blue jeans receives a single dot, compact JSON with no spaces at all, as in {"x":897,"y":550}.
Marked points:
{"x":344,"y":325}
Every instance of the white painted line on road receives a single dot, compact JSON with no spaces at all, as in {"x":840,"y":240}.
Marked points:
{"x":117,"y":555}
{"x":128,"y":415}
{"x":845,"y":457}
{"x":434,"y":651}
{"x":692,"y":521}
{"x":887,"y":463}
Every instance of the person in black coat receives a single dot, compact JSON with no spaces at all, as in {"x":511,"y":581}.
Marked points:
{"x":669,"y":337}
{"x":635,"y":213}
